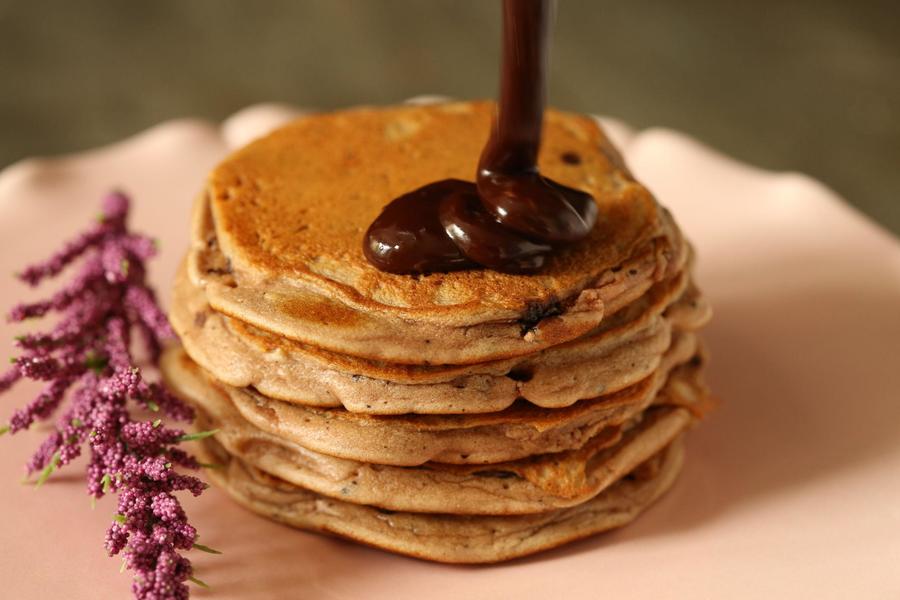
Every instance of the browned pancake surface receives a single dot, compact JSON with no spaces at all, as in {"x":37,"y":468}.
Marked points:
{"x":295,"y":204}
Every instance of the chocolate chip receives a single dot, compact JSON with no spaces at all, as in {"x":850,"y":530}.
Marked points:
{"x":536,"y":311}
{"x":570,"y":158}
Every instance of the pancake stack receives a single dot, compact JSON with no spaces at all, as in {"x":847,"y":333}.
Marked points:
{"x":462,"y":417}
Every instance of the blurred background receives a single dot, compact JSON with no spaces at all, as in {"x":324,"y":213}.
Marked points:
{"x":805,"y":85}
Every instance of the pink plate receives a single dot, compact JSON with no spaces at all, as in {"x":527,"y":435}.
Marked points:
{"x":791,"y":489}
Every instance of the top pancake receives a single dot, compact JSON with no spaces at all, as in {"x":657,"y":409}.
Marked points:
{"x":291,"y":209}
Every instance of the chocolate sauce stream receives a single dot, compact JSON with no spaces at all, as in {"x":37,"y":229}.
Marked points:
{"x":513,"y":218}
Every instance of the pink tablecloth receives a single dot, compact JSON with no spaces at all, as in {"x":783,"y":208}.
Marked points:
{"x":791,"y":490}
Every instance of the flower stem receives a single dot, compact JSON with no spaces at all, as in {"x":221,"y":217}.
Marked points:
{"x":206,"y":549}
{"x":48,"y":470}
{"x":191,"y":437}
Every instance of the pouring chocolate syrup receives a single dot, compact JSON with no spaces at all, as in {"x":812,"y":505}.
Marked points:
{"x":512,"y":218}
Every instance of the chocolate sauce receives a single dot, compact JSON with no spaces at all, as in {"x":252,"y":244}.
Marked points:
{"x":512,"y":218}
{"x":408,"y":237}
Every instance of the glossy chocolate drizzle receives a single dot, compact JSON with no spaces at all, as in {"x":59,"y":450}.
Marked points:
{"x":512,"y":218}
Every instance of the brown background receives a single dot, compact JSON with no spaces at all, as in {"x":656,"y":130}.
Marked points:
{"x":807,"y":85}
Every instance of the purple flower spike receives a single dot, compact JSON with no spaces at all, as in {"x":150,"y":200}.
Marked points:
{"x":88,"y":353}
{"x":115,"y":207}
{"x":8,"y":379}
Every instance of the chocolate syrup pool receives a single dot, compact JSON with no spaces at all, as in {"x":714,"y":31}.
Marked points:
{"x":512,"y":217}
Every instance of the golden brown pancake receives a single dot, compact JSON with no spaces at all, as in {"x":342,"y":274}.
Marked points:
{"x":626,"y":348}
{"x":277,"y":239}
{"x":534,"y":484}
{"x":441,"y":537}
{"x":408,"y":440}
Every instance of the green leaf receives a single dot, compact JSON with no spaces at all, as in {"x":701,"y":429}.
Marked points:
{"x":210,"y":466}
{"x":48,"y":470}
{"x":125,"y":267}
{"x":157,"y":423}
{"x":153,"y":406}
{"x":191,"y":437}
{"x":96,"y":362}
{"x":105,"y":482}
{"x":119,"y":519}
{"x":77,"y":423}
{"x":207,"y":549}
{"x":202,"y":584}
{"x":4,"y":430}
